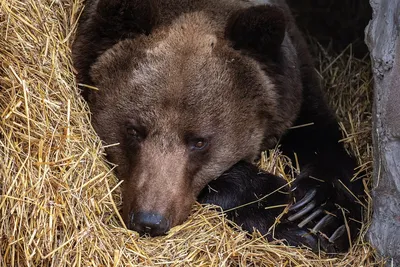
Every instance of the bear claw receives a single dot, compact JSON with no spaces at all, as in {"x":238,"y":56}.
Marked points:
{"x":310,"y":206}
{"x":311,"y":217}
{"x":309,"y":210}
{"x":307,"y":198}
{"x":338,"y":233}
{"x":326,"y":220}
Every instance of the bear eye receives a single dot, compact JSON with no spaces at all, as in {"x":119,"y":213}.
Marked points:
{"x":199,"y":144}
{"x":132,"y":132}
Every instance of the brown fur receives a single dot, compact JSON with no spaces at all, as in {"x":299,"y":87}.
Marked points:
{"x":184,"y":81}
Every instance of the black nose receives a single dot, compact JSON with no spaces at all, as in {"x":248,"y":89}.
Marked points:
{"x":149,"y":223}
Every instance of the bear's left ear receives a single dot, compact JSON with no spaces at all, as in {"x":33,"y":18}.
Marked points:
{"x":258,"y":28}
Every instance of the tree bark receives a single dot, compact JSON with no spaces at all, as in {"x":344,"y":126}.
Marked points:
{"x":382,"y":38}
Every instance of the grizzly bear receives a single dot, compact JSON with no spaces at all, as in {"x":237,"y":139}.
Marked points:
{"x":192,"y":91}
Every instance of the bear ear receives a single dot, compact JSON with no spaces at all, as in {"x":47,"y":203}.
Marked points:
{"x":126,"y":17}
{"x":258,"y":28}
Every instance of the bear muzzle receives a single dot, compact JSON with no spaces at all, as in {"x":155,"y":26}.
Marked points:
{"x":157,"y":193}
{"x":156,"y":219}
{"x":148,"y":223}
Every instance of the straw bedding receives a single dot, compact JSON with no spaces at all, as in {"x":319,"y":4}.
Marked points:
{"x":59,"y":201}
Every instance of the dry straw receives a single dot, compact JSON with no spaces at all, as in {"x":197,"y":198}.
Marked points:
{"x":59,"y":201}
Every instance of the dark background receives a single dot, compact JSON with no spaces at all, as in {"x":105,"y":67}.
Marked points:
{"x":334,"y":23}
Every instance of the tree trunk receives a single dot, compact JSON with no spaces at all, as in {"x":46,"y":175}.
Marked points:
{"x":382,"y":38}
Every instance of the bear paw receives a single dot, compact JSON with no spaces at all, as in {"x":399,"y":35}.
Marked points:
{"x":327,"y":214}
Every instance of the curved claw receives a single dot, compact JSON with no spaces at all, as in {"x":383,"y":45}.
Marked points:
{"x":310,"y":217}
{"x":327,"y":219}
{"x":307,"y":198}
{"x":303,"y":211}
{"x":338,"y":233}
{"x":315,"y":220}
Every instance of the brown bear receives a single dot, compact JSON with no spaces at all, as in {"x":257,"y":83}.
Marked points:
{"x":192,"y":91}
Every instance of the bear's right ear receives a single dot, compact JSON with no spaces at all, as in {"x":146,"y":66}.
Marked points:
{"x":258,"y":28}
{"x":126,"y":17}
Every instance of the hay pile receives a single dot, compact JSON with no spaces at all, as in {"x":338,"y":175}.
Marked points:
{"x":58,"y":200}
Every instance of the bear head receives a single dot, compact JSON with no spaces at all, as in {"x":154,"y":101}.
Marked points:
{"x":183,"y":100}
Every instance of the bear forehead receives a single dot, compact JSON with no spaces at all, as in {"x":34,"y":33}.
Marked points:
{"x":177,"y":62}
{"x":195,"y":30}
{"x":184,"y":55}
{"x":187,"y":67}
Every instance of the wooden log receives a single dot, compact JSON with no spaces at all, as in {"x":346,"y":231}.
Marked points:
{"x":382,"y":38}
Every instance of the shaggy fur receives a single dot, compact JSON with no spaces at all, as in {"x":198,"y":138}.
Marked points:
{"x":192,"y":91}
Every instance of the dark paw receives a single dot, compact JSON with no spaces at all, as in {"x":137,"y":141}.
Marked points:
{"x":327,"y":214}
{"x":251,"y":198}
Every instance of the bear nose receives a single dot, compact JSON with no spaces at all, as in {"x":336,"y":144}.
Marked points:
{"x":149,"y":223}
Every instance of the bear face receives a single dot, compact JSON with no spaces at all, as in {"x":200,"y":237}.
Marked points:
{"x":190,"y":92}
{"x":184,"y":105}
